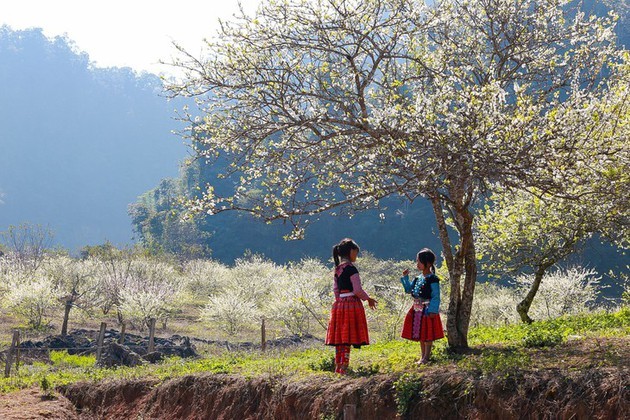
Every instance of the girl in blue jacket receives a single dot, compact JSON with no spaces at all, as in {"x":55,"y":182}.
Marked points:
{"x":423,"y":322}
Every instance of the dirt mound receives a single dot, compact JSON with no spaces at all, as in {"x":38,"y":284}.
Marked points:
{"x":31,"y":404}
{"x":592,"y":394}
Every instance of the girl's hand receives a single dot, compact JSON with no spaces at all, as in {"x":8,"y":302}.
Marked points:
{"x":406,"y":272}
{"x":372,"y":303}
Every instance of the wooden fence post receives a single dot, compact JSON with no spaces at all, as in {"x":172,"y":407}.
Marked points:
{"x":151,"y":335}
{"x":121,"y":339}
{"x":14,"y":344}
{"x":263,"y":335}
{"x":16,"y":337}
{"x":99,"y":343}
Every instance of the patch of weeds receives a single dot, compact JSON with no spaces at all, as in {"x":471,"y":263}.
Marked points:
{"x":538,"y":336}
{"x":408,"y":387}
{"x":47,"y":388}
{"x":369,"y":370}
{"x":440,"y":353}
{"x":325,"y":363}
{"x":506,"y":361}
{"x":62,"y":359}
{"x":327,"y":416}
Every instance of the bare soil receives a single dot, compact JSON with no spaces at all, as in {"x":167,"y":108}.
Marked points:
{"x":32,"y":404}
{"x":580,"y":379}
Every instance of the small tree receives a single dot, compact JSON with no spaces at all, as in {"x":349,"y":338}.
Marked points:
{"x":150,"y":292}
{"x":31,"y":298}
{"x":338,"y":104}
{"x":521,"y":231}
{"x":231,"y":313}
{"x":27,"y":243}
{"x":203,"y":278}
{"x":74,"y":284}
{"x":563,"y":292}
{"x":113,"y":273}
{"x":302,"y":294}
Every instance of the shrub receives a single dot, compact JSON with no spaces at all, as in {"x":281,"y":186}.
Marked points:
{"x":494,"y":305}
{"x":408,"y":387}
{"x":231,"y":313}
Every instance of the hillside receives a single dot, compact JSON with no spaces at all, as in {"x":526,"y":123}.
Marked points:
{"x":78,"y":143}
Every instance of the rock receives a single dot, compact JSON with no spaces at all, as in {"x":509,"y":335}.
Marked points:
{"x":117,"y":355}
{"x":154,"y":357}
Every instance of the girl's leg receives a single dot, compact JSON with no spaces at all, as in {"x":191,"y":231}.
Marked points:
{"x":342,"y":359}
{"x":427,"y":351}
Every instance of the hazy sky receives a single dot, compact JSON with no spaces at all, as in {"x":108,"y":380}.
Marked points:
{"x":132,"y":33}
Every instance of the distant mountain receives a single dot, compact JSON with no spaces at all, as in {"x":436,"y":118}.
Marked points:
{"x":78,"y":143}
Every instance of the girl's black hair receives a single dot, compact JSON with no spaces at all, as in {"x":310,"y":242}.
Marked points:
{"x":342,"y":249}
{"x":426,"y":256}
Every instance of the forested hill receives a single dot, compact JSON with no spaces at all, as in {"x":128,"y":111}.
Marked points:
{"x":77,"y":143}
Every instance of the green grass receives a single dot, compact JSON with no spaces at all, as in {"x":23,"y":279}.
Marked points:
{"x":601,"y":324}
{"x":504,"y":350}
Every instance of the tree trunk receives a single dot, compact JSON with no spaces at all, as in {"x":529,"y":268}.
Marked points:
{"x":523,"y":307}
{"x":66,"y":316}
{"x":455,"y":264}
{"x":470,"y":276}
{"x":461,"y":263}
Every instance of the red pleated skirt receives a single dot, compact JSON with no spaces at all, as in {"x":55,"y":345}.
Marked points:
{"x":420,"y":327}
{"x":347,"y":325}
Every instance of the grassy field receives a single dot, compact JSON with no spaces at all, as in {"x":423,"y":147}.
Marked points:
{"x":572,"y":342}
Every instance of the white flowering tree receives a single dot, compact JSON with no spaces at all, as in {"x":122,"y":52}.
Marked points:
{"x":150,"y":291}
{"x":242,"y":294}
{"x":563,"y":292}
{"x":30,"y":297}
{"x":113,"y":271}
{"x":302,"y":295}
{"x":26,"y":244}
{"x":203,"y":278}
{"x":74,"y":283}
{"x":319,"y":105}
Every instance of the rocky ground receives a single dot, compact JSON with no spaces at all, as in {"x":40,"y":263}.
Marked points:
{"x":135,"y":347}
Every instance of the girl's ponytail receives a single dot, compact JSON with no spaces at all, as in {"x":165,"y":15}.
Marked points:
{"x":336,"y":255}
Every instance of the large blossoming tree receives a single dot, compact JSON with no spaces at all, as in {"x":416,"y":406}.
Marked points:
{"x":325,"y":104}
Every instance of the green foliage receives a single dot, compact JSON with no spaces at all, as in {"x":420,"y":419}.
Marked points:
{"x":408,"y":387}
{"x":541,"y":337}
{"x":601,"y":323}
{"x":47,"y":389}
{"x":159,"y":220}
{"x":63,"y":360}
{"x":505,"y":362}
{"x":326,"y":363}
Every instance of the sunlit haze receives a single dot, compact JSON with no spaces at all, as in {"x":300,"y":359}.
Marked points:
{"x":123,"y":33}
